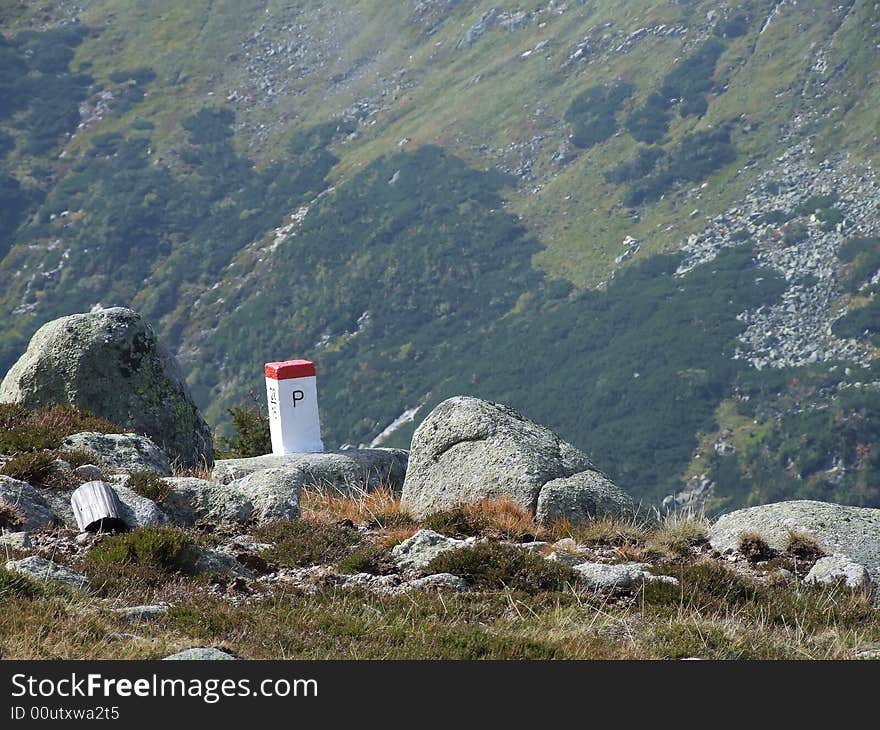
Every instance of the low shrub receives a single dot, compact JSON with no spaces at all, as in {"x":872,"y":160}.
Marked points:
{"x":16,"y":585}
{"x":33,"y":467}
{"x":11,"y":517}
{"x":167,"y":549}
{"x":149,"y":485}
{"x":22,"y":429}
{"x":300,"y":543}
{"x":375,"y":559}
{"x":803,"y":546}
{"x":494,"y":566}
{"x":754,"y":547}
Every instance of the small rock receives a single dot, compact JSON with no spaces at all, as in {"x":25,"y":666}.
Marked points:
{"x":39,"y":568}
{"x":420,"y":549}
{"x":602,"y":577}
{"x":193,"y":500}
{"x":221,"y":563}
{"x":274,"y":493}
{"x":581,"y":498}
{"x":437,"y":581}
{"x":138,"y":511}
{"x":143,"y":613}
{"x":16,"y":540}
{"x":838,"y":567}
{"x":200,"y":654}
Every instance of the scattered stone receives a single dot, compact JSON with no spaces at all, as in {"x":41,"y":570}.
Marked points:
{"x":39,"y":568}
{"x":420,"y":549}
{"x":582,"y":497}
{"x":832,"y":568}
{"x":200,"y":654}
{"x":437,"y":581}
{"x":468,"y":450}
{"x":602,"y":577}
{"x":853,"y":532}
{"x":345,"y":472}
{"x":120,"y":452}
{"x":137,"y":614}
{"x":28,"y":502}
{"x":111,"y":363}
{"x":16,"y":540}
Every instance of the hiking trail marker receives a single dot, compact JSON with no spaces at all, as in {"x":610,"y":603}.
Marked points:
{"x":292,"y":391}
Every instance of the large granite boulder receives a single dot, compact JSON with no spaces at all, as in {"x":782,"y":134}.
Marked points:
{"x":26,"y":504}
{"x":346,"y":472}
{"x":274,"y":493}
{"x":111,"y":363}
{"x":853,"y":532}
{"x":120,"y":452}
{"x":468,"y":450}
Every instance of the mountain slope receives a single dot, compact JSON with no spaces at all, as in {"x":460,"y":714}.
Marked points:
{"x":649,"y":225}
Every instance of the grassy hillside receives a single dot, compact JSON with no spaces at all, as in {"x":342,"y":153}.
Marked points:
{"x":443,"y":197}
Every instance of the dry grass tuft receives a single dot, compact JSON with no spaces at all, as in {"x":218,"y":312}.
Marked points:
{"x":677,"y":535}
{"x":604,"y":531}
{"x":378,"y":508}
{"x":754,"y":547}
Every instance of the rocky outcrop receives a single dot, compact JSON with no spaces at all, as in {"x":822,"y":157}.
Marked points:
{"x":468,"y":450}
{"x":120,"y":452}
{"x":27,"y":503}
{"x":138,"y":511}
{"x":853,"y":532}
{"x":110,"y":362}
{"x":344,"y":472}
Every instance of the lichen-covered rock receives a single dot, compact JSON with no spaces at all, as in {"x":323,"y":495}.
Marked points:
{"x":832,"y":568}
{"x":436,"y":582}
{"x":196,"y":500}
{"x":468,"y":450}
{"x":39,"y":568}
{"x":344,"y":472}
{"x":199,"y":653}
{"x":120,"y":452}
{"x":28,"y":503}
{"x":219,"y":562}
{"x":88,"y":473}
{"x":274,"y":493}
{"x":622,"y":576}
{"x":110,"y":362}
{"x":850,"y":531}
{"x":417,"y":551}
{"x":138,"y":614}
{"x":582,"y":497}
{"x":138,"y":511}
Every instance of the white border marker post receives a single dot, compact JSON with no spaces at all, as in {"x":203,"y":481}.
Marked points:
{"x":292,"y":391}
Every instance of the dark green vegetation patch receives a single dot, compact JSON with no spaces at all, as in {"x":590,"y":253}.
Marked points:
{"x":592,"y":113}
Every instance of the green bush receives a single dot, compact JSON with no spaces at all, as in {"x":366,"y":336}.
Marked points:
{"x":251,"y":438}
{"x":167,"y":549}
{"x":33,"y":467}
{"x":592,"y":113}
{"x":456,"y":522}
{"x":300,"y":543}
{"x":22,"y":429}
{"x":494,"y":566}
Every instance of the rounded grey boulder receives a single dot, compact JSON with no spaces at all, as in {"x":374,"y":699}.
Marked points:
{"x":582,"y":497}
{"x":468,"y":450}
{"x":111,"y":363}
{"x":853,"y":532}
{"x":120,"y":452}
{"x":27,"y":504}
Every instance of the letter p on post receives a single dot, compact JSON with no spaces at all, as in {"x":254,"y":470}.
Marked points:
{"x":292,"y":391}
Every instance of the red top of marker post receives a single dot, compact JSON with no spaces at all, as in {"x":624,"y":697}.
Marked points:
{"x":290,"y":369}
